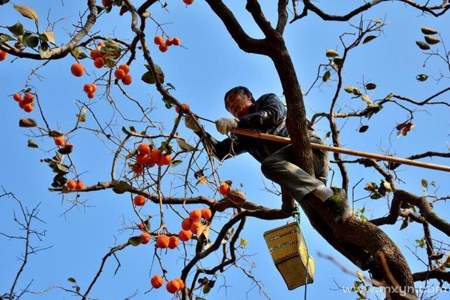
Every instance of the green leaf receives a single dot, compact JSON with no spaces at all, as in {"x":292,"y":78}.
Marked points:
{"x":110,"y":61}
{"x":27,"y":123}
{"x":428,"y":30}
{"x":78,"y":53}
{"x":363,"y":128}
{"x":81,"y":117}
{"x":111,"y":49}
{"x":338,"y":61}
{"x":376,"y":196}
{"x":71,"y":279}
{"x":121,"y":187}
{"x":405,"y":223}
{"x":61,"y":169}
{"x":165,"y":147}
{"x":54,"y":133}
{"x":176,"y":162}
{"x":326,"y":76}
{"x":422,"y":77}
{"x":99,"y":8}
{"x":147,"y":77}
{"x":48,"y":36}
{"x":5,"y":38}
{"x":184,"y":145}
{"x":432,"y":40}
{"x":368,"y":39}
{"x":32,"y":144}
{"x":371,"y":86}
{"x":357,"y":92}
{"x":17,"y":29}
{"x":424,"y":183}
{"x":67,"y":149}
{"x":134,"y":240}
{"x":59,"y":181}
{"x":32,"y":41}
{"x":159,"y":72}
{"x":420,"y":243}
{"x":206,"y":288}
{"x":352,"y":90}
{"x":349,"y":89}
{"x":422,"y":45}
{"x":167,"y":103}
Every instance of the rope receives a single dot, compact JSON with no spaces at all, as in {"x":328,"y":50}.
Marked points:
{"x":297,"y":216}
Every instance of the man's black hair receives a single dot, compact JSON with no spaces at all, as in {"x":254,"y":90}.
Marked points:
{"x":238,"y":90}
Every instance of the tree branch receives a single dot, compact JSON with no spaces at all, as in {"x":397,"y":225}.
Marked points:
{"x":433,"y":274}
{"x":245,"y":42}
{"x":255,"y":10}
{"x":282,"y":16}
{"x":62,"y":51}
{"x":425,"y":210}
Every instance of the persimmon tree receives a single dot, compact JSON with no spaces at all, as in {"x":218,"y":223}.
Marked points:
{"x":150,"y":157}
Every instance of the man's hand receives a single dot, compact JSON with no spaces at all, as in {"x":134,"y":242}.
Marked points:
{"x":224,"y":125}
{"x":191,"y":123}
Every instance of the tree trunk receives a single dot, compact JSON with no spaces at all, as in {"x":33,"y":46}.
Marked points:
{"x":355,"y":239}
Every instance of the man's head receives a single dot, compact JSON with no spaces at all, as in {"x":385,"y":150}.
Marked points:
{"x":238,"y":100}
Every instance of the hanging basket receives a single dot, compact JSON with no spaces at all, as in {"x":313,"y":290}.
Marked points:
{"x":290,"y":255}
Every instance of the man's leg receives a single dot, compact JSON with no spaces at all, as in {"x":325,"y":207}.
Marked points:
{"x":299,"y":183}
{"x":338,"y":203}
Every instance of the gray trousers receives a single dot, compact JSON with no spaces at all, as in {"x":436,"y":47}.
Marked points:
{"x":279,"y":167}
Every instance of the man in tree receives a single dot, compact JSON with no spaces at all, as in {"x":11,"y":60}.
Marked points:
{"x":268,"y":115}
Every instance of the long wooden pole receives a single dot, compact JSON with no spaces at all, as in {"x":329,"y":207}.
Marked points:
{"x":286,"y":140}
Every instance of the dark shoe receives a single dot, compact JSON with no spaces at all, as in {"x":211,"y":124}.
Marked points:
{"x":368,"y":264}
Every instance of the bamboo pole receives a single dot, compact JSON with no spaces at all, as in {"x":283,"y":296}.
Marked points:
{"x":286,"y":140}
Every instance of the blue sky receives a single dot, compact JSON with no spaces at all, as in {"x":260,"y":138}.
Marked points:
{"x":209,"y":64}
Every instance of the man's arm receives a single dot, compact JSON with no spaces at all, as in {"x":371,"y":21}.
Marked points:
{"x":269,"y":115}
{"x":221,"y":150}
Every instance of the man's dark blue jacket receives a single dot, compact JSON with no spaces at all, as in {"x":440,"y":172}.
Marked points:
{"x":268,"y":115}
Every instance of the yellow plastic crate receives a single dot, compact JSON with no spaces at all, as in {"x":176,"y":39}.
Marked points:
{"x":290,"y":255}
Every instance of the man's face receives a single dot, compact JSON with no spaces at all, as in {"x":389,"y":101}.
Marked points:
{"x":238,"y":104}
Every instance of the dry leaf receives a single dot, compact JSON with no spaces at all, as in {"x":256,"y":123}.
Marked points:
{"x":331,"y":53}
{"x":184,"y":145}
{"x":50,"y":35}
{"x":26,"y":122}
{"x":202,"y":180}
{"x":27,"y":12}
{"x":366,"y":99}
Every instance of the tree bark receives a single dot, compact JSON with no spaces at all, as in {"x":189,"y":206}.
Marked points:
{"x":353,"y":238}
